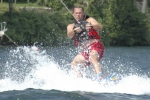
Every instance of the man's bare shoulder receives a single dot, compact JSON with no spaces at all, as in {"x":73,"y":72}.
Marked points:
{"x":70,"y":25}
{"x":90,"y":19}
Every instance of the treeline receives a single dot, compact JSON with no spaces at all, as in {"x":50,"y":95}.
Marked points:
{"x":123,"y":24}
{"x":28,"y":27}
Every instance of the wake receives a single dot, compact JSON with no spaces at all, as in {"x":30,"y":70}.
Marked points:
{"x":29,"y":68}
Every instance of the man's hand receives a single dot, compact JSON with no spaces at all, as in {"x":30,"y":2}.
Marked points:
{"x":82,"y":27}
{"x":77,"y":30}
{"x":88,"y":26}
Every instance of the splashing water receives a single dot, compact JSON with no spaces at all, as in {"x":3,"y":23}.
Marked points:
{"x":30,"y":68}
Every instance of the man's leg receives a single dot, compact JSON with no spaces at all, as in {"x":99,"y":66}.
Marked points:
{"x":93,"y":57}
{"x":79,"y":59}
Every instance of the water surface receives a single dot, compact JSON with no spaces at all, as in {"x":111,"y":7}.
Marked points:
{"x":27,"y":74}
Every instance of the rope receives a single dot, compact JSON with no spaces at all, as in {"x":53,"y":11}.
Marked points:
{"x":68,"y":9}
{"x":11,"y":39}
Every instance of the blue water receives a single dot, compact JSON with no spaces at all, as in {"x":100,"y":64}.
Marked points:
{"x":27,"y":74}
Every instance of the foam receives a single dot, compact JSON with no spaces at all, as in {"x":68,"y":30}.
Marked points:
{"x":46,"y":74}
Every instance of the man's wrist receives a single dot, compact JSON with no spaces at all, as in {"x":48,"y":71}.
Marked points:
{"x":83,"y":29}
{"x":74,"y":31}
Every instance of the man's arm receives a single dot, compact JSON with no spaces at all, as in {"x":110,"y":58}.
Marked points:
{"x":94,"y":24}
{"x":70,"y":31}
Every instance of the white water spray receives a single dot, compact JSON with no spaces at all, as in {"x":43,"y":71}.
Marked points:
{"x":28,"y":68}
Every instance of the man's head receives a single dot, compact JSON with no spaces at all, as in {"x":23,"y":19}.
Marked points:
{"x":78,"y":13}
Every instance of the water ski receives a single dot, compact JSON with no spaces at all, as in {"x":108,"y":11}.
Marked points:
{"x":109,"y":78}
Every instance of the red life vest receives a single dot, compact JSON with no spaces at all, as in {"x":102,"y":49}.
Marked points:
{"x":84,"y":35}
{"x":92,"y":34}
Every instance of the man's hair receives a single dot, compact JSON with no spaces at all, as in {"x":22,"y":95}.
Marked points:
{"x":78,"y":7}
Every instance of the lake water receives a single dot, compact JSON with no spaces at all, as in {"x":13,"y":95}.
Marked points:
{"x":27,"y":74}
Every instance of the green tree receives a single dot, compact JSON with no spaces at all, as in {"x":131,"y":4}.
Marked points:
{"x":123,"y":24}
{"x":10,"y":3}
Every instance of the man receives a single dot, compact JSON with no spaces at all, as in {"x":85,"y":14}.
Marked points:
{"x":85,"y":36}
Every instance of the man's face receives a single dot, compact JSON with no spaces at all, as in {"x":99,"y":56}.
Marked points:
{"x":78,"y":14}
